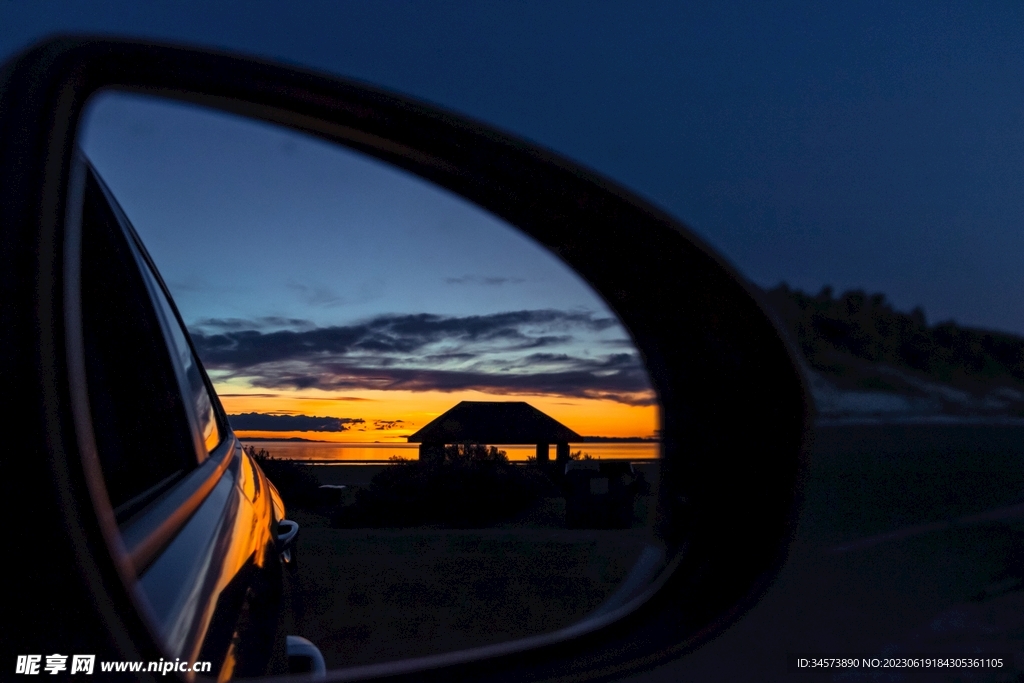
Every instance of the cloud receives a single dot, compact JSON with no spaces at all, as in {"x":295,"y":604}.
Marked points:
{"x":264,"y":323}
{"x":221,"y":344}
{"x":330,"y":398}
{"x":539,"y":352}
{"x":387,"y":424}
{"x":317,"y":295}
{"x":482,"y":280}
{"x":194,"y":284}
{"x":266,"y":422}
{"x":297,"y":398}
{"x":621,"y":381}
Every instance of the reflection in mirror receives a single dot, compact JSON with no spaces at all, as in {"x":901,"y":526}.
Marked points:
{"x":461,"y":428}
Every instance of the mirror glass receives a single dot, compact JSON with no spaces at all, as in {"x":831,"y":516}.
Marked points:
{"x":461,"y":428}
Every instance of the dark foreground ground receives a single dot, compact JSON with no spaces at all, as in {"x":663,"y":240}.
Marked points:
{"x":373,"y":595}
{"x":911,"y":541}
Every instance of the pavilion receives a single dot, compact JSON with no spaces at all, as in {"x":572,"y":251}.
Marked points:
{"x":495,"y":422}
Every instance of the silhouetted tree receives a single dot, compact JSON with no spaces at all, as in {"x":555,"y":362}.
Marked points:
{"x":472,"y":485}
{"x":863,"y":326}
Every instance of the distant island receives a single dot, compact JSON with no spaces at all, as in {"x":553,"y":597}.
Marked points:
{"x":620,"y":439}
{"x":281,"y":438}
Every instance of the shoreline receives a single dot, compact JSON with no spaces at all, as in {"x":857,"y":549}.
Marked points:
{"x":388,"y":463}
{"x":406,"y":444}
{"x":329,"y":453}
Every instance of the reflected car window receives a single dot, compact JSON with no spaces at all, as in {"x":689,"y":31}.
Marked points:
{"x":141,"y":425}
{"x":202,"y":406}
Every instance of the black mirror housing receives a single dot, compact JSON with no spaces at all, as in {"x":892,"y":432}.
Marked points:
{"x":735,"y":413}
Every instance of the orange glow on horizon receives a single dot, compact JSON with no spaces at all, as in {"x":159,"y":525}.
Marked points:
{"x":391,"y":416}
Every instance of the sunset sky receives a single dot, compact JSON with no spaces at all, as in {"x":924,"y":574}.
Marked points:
{"x":862,"y":144}
{"x":333,"y":297}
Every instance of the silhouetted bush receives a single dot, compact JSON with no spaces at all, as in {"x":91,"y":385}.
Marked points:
{"x":472,"y":485}
{"x":296,"y":484}
{"x":580,"y":455}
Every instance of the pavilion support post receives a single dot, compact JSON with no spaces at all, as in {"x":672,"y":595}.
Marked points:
{"x":562,"y":454}
{"x":431,"y":452}
{"x":542,"y":452}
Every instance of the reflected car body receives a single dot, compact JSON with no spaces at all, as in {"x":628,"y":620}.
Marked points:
{"x":198,"y":520}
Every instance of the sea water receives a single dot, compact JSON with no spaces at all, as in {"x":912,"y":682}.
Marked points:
{"x":319,"y":451}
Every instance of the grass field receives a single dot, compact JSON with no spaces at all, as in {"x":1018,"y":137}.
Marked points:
{"x":956,"y":589}
{"x":867,"y":480}
{"x":373,"y":595}
{"x":367,"y":595}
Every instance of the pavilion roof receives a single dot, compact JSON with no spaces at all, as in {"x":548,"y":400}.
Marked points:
{"x":494,"y":422}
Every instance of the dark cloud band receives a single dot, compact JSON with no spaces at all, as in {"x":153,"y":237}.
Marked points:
{"x":265,"y":422}
{"x":502,"y":353}
{"x":227,"y":343}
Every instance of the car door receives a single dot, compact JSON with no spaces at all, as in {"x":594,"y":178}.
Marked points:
{"x":196,"y":517}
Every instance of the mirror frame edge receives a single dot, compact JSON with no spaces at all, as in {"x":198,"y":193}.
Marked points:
{"x":53,"y":81}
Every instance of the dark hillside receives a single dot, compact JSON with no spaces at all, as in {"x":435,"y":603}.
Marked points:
{"x":850,"y":337}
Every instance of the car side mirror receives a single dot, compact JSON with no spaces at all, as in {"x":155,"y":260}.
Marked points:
{"x":733,"y":410}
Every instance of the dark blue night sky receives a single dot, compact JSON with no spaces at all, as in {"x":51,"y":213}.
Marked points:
{"x":861,"y":145}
